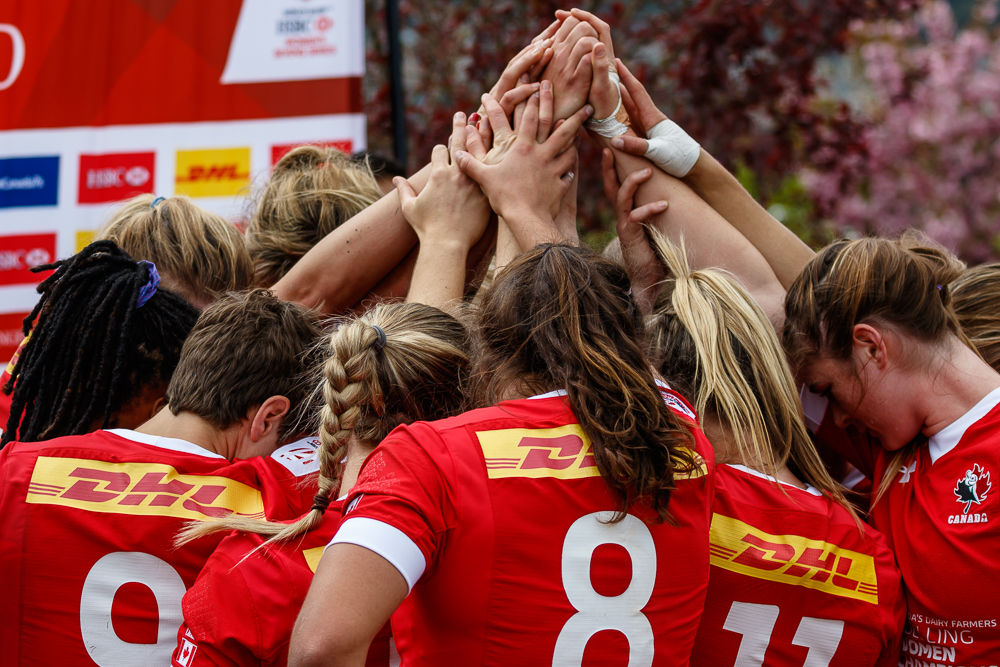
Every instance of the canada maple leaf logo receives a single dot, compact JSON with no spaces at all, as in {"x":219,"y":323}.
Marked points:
{"x":973,"y":487}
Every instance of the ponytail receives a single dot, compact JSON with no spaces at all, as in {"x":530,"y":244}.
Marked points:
{"x":714,"y":339}
{"x":560,"y":317}
{"x":393,"y":365}
{"x":102,"y":332}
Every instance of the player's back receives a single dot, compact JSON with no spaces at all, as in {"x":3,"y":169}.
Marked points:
{"x":241,"y":610}
{"x":91,"y":575}
{"x":502,"y":517}
{"x":794,"y":582}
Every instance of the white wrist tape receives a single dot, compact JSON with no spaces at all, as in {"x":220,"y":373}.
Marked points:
{"x":609,"y":127}
{"x":672,"y":149}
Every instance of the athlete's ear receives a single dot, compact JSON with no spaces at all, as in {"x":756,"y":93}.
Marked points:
{"x":870,"y":345}
{"x":266,"y":421}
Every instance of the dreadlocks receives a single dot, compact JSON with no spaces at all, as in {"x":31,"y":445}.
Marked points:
{"x":95,"y":345}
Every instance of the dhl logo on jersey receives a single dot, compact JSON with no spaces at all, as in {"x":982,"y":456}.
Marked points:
{"x":562,"y":453}
{"x":145,"y":489}
{"x":791,"y":559}
{"x":213,"y":173}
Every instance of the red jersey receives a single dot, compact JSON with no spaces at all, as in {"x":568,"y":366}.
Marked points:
{"x":499,"y":521}
{"x":87,"y":525}
{"x":288,"y":477}
{"x":793,"y":581}
{"x":241,"y":612}
{"x":941,"y":517}
{"x":6,"y":399}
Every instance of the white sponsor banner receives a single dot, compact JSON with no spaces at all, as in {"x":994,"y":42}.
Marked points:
{"x":257,"y":140}
{"x":296,"y":40}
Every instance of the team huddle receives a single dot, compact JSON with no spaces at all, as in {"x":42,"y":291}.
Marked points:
{"x":427,"y":427}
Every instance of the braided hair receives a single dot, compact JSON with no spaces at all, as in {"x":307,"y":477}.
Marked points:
{"x":100,"y":335}
{"x":393,"y":365}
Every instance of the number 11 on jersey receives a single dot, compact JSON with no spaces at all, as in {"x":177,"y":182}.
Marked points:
{"x":756,"y":623}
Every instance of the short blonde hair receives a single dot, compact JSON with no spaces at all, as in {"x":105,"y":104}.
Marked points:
{"x":312,"y":191}
{"x":198,"y":254}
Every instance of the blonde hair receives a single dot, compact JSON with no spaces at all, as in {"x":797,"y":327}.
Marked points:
{"x":902,"y":283}
{"x":976,"y":299}
{"x":198,"y":254}
{"x":370,"y":388}
{"x":719,"y":347}
{"x":312,"y":191}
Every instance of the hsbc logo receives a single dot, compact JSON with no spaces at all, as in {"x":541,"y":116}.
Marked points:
{"x":20,"y":254}
{"x":114,"y":177}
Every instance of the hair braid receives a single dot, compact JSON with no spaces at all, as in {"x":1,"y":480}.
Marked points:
{"x":89,"y":349}
{"x":369,"y":390}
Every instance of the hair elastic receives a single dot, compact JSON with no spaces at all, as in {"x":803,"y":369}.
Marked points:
{"x":380,"y":341}
{"x":320,"y":503}
{"x":156,"y":201}
{"x":939,"y":288}
{"x":147,"y":291}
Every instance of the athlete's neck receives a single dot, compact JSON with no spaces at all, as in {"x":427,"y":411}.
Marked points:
{"x":727,"y":451}
{"x":194,"y":429}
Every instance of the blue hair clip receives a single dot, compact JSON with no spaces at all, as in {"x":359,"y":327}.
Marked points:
{"x":156,"y":201}
{"x":147,"y":291}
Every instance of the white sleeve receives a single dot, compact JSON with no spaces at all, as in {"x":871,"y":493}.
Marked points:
{"x":388,"y":542}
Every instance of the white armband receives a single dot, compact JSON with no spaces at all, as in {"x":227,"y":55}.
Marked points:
{"x":612,"y":126}
{"x":672,"y":149}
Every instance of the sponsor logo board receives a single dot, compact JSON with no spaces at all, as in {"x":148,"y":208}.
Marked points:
{"x":11,"y":335}
{"x":222,"y":172}
{"x":791,"y":559}
{"x":143,"y":489}
{"x":21,"y":253}
{"x":84,"y":237}
{"x":342,"y":145}
{"x":115,"y":176}
{"x":29,"y":181}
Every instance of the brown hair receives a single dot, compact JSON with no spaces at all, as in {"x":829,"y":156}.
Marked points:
{"x":370,"y":388}
{"x":901,"y":283}
{"x":199,"y":255}
{"x":245,"y":348}
{"x":976,"y":299}
{"x":312,"y":191}
{"x":560,"y":317}
{"x":716,"y":343}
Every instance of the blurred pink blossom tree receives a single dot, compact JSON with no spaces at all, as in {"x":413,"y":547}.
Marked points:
{"x":933,"y":143}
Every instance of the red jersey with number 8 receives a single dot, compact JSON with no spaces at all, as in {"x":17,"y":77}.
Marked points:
{"x":501,"y":525}
{"x":794,"y":582}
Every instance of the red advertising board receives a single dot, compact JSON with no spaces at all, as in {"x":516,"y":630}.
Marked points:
{"x":115,"y":176}
{"x":19,"y":254}
{"x":11,"y":336}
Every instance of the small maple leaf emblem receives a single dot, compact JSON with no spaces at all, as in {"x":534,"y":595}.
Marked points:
{"x":973,"y":487}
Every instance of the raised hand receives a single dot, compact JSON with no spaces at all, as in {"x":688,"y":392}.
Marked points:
{"x":527,"y":184}
{"x":644,"y":266}
{"x":570,"y":68}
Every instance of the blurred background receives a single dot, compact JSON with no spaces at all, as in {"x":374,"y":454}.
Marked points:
{"x":842,"y":117}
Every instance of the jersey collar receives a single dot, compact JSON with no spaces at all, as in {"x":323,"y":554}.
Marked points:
{"x":947,"y":438}
{"x":562,"y":392}
{"x":750,"y":471}
{"x":173,"y":444}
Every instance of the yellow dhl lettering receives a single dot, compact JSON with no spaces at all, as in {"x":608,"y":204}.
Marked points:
{"x":791,"y":559}
{"x":560,"y":453}
{"x":212,"y":173}
{"x":312,"y":557}
{"x":144,"y":489}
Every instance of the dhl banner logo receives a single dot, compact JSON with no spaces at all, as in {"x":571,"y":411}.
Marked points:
{"x":562,"y":453}
{"x":312,"y":557}
{"x":145,"y":489}
{"x":213,"y":173}
{"x":792,"y":559}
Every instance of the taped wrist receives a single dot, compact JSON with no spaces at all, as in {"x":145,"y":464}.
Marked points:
{"x":672,"y":149}
{"x":614,"y":125}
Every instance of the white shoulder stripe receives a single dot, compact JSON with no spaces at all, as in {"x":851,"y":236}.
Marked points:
{"x":173,"y":444}
{"x":388,"y":542}
{"x":947,"y":438}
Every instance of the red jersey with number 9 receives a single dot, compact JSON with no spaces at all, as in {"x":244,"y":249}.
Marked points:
{"x":794,"y":582}
{"x":87,"y":527}
{"x":501,"y":524}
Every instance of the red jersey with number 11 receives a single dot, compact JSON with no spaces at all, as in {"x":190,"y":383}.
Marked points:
{"x":794,"y":581}
{"x":501,"y":524}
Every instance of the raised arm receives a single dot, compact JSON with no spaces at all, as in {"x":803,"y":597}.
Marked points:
{"x":783,"y":250}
